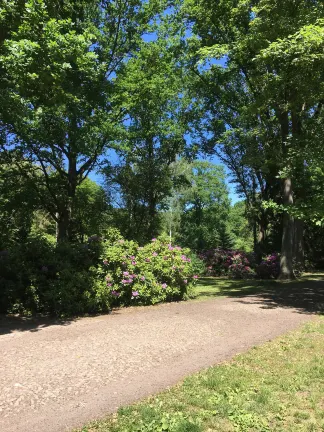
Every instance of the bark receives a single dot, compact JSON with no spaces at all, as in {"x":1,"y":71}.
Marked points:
{"x":62,"y":226}
{"x":299,"y":253}
{"x":152,"y":213}
{"x":64,"y":231}
{"x":287,"y":247}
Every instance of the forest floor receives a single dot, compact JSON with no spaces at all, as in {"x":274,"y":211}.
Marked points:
{"x":58,"y":375}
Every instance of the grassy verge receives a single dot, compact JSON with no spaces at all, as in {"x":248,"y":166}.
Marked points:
{"x":278,"y":386}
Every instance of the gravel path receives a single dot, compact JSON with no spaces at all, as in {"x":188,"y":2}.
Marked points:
{"x":57,"y":377}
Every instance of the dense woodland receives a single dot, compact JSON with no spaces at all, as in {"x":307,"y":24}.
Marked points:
{"x":112,"y":115}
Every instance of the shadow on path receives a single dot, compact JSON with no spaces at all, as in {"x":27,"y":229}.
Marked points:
{"x":305,"y":294}
{"x":13,"y":323}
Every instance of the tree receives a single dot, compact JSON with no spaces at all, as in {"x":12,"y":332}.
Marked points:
{"x":205,"y":208}
{"x":240,"y":227}
{"x":155,"y":125}
{"x":17,"y":205}
{"x":58,"y":69}
{"x":261,"y":95}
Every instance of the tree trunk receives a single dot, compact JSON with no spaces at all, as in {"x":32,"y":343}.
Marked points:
{"x":299,"y":253}
{"x":64,"y":231}
{"x":62,"y":226}
{"x":287,"y":248}
{"x":262,"y":225}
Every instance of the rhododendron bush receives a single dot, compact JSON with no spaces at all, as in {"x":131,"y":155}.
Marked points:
{"x":269,"y":268}
{"x":235,"y":264}
{"x":154,"y":273}
{"x":240,"y":265}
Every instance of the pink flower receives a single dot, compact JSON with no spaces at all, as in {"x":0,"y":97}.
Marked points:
{"x":109,"y":284}
{"x":125,"y":273}
{"x":133,"y":262}
{"x":174,"y":267}
{"x":115,"y":293}
{"x":108,"y":278}
{"x":164,"y":286}
{"x":147,"y":260}
{"x":195,"y":277}
{"x":142,"y":278}
{"x":105,"y":262}
{"x":154,"y":239}
{"x":135,"y":293}
{"x":178,"y":248}
{"x":154,"y":254}
{"x":183,"y":257}
{"x":185,"y":281}
{"x":171,"y":248}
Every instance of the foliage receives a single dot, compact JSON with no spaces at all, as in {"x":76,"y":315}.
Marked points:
{"x":64,"y":124}
{"x":65,"y":279}
{"x":150,"y":274}
{"x":239,"y":226}
{"x":261,"y":90}
{"x":153,"y":93}
{"x":235,"y":264}
{"x":269,"y":268}
{"x":204,"y":208}
{"x":40,"y":277}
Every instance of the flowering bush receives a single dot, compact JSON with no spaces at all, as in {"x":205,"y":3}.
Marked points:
{"x":235,"y":264}
{"x":154,"y":273}
{"x":269,"y":268}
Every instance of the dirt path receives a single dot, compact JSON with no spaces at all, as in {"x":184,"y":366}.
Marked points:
{"x":57,"y":377}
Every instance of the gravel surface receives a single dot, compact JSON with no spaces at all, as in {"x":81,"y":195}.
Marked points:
{"x":58,"y":376}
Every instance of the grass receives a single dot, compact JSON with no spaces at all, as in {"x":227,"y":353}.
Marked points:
{"x":278,"y":386}
{"x":209,"y":287}
{"x":305,"y":294}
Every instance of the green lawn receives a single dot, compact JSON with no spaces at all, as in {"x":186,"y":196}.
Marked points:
{"x":278,"y":386}
{"x":209,"y":287}
{"x":305,"y":294}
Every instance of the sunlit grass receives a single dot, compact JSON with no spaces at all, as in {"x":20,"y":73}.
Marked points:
{"x":278,"y":386}
{"x":209,"y":287}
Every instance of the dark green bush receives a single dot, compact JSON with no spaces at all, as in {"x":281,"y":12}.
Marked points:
{"x":76,"y":279}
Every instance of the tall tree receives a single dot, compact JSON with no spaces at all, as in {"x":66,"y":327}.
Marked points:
{"x":156,"y":123}
{"x":58,"y":67}
{"x":255,"y":72}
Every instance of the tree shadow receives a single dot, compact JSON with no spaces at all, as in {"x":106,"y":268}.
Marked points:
{"x":13,"y":323}
{"x":306,"y":294}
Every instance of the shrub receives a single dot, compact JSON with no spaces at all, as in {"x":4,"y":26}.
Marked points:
{"x":154,"y":273}
{"x":39,"y":277}
{"x":235,"y":264}
{"x":269,"y":268}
